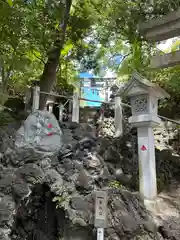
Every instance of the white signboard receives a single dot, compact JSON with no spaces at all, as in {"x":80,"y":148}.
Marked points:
{"x":101,"y":209}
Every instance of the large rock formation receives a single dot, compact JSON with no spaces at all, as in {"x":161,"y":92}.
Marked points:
{"x":51,"y":196}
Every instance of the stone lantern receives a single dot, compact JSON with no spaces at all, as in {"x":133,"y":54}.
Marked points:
{"x":144,"y":97}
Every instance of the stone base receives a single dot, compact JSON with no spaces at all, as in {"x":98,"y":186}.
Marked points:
{"x":145,"y":120}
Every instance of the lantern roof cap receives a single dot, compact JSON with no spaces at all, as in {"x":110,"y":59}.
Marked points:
{"x":138,"y":84}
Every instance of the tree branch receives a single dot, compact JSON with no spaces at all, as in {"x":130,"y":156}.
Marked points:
{"x":39,"y":58}
{"x":63,"y":25}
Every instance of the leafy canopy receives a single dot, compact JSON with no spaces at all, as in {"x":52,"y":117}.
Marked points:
{"x":96,"y":31}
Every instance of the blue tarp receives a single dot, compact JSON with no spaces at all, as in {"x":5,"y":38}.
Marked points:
{"x":86,"y":75}
{"x":89,"y":93}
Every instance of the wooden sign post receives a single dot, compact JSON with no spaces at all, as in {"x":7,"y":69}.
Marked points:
{"x":100,"y":213}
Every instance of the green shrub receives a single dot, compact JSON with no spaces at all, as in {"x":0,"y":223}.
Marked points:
{"x":3,"y":98}
{"x":5,"y":118}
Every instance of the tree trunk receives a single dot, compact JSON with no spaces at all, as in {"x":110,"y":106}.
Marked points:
{"x":3,"y":78}
{"x":49,"y":75}
{"x":50,"y":69}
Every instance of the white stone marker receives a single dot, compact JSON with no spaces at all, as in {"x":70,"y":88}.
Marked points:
{"x":106,"y":91}
{"x":51,"y":107}
{"x":100,"y":213}
{"x":61,"y":109}
{"x":100,"y":234}
{"x":118,"y":117}
{"x":144,"y":97}
{"x":76,"y":103}
{"x":36,"y":96}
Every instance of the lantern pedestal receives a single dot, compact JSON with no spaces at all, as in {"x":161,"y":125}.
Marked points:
{"x":146,"y":153}
{"x":147,"y":165}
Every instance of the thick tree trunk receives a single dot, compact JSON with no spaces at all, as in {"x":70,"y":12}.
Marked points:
{"x":49,"y":75}
{"x":50,"y":69}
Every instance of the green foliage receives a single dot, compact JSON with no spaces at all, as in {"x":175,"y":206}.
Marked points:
{"x":10,"y":2}
{"x":29,"y":30}
{"x":62,"y":197}
{"x":62,"y":200}
{"x":122,"y":32}
{"x":3,"y":98}
{"x":5,"y":118}
{"x":59,"y":200}
{"x":116,"y":184}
